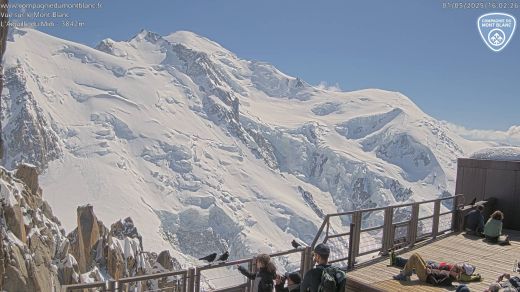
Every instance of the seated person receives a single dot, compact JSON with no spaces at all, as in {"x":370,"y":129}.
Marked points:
{"x":507,"y":284}
{"x":426,"y":274}
{"x":474,"y":221}
{"x":493,"y":229}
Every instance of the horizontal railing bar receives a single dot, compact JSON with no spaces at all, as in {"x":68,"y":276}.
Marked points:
{"x":338,"y":235}
{"x":394,"y":206}
{"x":372,"y":228}
{"x":291,"y":251}
{"x":445,"y":213}
{"x":152,"y":276}
{"x":84,"y":286}
{"x":338,"y":260}
{"x":403,"y":205}
{"x":424,"y":218}
{"x":222,"y":265}
{"x":243,"y":261}
{"x":402,"y":223}
{"x":425,"y":236}
{"x":369,"y":251}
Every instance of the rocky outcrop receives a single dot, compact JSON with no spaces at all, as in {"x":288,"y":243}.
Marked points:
{"x":35,"y":254}
{"x":29,"y":175}
{"x":29,"y":256}
{"x":88,"y":236}
{"x":29,"y":135}
{"x":165,"y":260}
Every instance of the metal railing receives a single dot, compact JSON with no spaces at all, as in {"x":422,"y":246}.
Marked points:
{"x":191,"y":279}
{"x":363,"y":238}
{"x":400,"y":228}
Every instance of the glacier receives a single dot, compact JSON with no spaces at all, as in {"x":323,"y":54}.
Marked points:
{"x":207,"y":151}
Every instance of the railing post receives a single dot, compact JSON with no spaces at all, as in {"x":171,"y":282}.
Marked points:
{"x":436,"y":212}
{"x":251,"y":267}
{"x":351,"y":254}
{"x":457,"y":220}
{"x":315,"y":241}
{"x":191,"y":279}
{"x":327,"y":229}
{"x":388,"y":234}
{"x":356,"y":220}
{"x":110,"y":285}
{"x":184,"y":282}
{"x":309,"y":259}
{"x":412,"y":228}
{"x":303,"y":261}
{"x":197,"y":280}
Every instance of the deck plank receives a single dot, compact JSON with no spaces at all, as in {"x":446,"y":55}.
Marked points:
{"x":491,"y":260}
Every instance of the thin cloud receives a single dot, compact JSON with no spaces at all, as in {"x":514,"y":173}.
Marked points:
{"x":510,"y":137}
{"x":325,"y":86}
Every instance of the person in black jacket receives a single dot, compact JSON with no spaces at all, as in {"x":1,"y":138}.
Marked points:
{"x":265,"y":275}
{"x":293,"y":282}
{"x":312,"y":279}
{"x":474,"y":221}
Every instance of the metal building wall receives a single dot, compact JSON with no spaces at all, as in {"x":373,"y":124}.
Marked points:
{"x":486,"y":179}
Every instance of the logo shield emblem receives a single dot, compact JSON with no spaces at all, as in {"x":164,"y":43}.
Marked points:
{"x":496,"y":29}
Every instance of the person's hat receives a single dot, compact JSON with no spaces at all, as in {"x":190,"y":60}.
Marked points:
{"x":295,"y":277}
{"x":322,"y":249}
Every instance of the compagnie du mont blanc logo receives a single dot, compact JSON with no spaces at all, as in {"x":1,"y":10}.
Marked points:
{"x":496,"y":29}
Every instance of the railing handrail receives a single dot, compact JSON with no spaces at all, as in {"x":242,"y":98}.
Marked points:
{"x":388,"y":227}
{"x":152,"y":276}
{"x":197,"y":271}
{"x":99,"y":284}
{"x":394,"y":206}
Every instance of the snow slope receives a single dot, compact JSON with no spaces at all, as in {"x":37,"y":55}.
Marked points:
{"x":207,"y":151}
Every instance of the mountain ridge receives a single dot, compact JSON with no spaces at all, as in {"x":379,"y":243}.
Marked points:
{"x":205,"y":147}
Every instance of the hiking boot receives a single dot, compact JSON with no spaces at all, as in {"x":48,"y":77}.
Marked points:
{"x":401,"y":277}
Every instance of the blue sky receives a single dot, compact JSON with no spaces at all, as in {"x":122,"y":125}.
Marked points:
{"x":433,"y":55}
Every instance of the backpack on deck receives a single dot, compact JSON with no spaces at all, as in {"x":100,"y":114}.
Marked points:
{"x":331,"y":277}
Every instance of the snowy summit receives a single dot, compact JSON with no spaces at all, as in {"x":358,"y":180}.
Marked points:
{"x":206,"y":151}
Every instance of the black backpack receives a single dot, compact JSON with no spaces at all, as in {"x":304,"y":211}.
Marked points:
{"x":266,"y":284}
{"x":331,"y":278}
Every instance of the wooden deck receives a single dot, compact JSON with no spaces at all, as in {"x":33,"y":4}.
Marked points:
{"x":491,"y":260}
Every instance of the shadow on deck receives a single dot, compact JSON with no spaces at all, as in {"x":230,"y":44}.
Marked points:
{"x":491,"y":261}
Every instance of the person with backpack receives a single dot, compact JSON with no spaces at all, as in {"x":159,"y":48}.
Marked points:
{"x":265,"y":275}
{"x":436,"y":277}
{"x":323,"y":277}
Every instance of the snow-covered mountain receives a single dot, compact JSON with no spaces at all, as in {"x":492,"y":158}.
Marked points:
{"x":207,"y":151}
